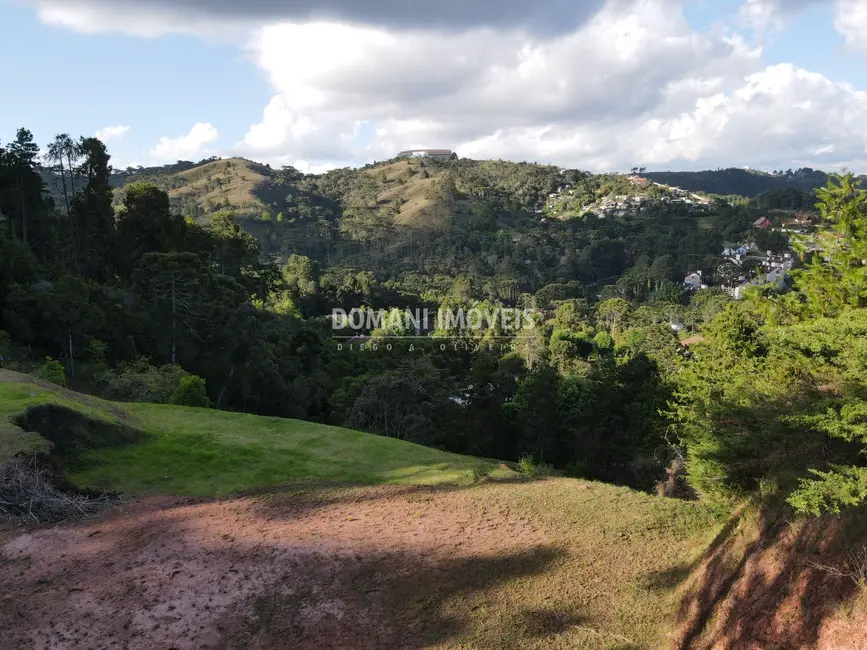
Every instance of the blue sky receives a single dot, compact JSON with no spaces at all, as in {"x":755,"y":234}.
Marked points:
{"x":669,"y":84}
{"x":81,"y":83}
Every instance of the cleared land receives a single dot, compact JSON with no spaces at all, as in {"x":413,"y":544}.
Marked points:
{"x":462,"y":554}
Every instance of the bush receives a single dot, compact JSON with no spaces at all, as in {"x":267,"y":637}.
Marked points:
{"x":52,"y":371}
{"x":191,"y":392}
{"x":142,"y":382}
{"x":530,"y":468}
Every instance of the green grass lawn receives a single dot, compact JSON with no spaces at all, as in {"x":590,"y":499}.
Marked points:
{"x":204,"y":452}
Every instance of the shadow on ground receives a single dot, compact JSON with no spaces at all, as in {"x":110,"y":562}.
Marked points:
{"x":767,"y":585}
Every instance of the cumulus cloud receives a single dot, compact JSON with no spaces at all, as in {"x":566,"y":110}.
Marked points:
{"x":154,"y":17}
{"x":851,"y":22}
{"x":475,"y":90}
{"x":630,"y":83}
{"x":191,"y":145}
{"x":779,"y":116}
{"x":112,"y":133}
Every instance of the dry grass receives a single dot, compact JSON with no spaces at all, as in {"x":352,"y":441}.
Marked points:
{"x":29,"y":492}
{"x":233,"y":180}
{"x":549,"y":564}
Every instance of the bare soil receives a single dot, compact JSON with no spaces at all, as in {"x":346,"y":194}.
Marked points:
{"x":348,"y":569}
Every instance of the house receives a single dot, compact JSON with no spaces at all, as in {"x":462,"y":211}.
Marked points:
{"x":775,"y":276}
{"x":734,"y":251}
{"x":762,"y":223}
{"x":784,"y":261}
{"x":438,"y":154}
{"x":693,"y":282}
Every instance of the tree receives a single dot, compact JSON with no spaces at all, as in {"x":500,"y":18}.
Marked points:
{"x":70,"y":318}
{"x":63,"y":153}
{"x":22,"y":159}
{"x":171,"y":284}
{"x":835,"y":277}
{"x":613,"y":313}
{"x":92,"y":213}
{"x":146,"y":224}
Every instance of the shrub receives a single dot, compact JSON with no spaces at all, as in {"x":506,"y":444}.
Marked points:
{"x":52,"y":371}
{"x":529,"y":467}
{"x":142,"y":382}
{"x":191,"y":392}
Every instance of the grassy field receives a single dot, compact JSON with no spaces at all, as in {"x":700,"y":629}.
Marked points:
{"x":203,"y":452}
{"x":212,"y":453}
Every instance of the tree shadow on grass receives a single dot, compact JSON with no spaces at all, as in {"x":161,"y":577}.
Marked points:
{"x":400,"y":600}
{"x":305,"y":497}
{"x":767,"y":590}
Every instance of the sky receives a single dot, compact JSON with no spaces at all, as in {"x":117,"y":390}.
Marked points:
{"x":602,"y":85}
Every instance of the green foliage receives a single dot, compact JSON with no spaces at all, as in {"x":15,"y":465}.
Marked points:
{"x":191,"y":392}
{"x":836,"y":276}
{"x":140,"y":381}
{"x":771,"y":406}
{"x":531,"y":469}
{"x":53,"y":371}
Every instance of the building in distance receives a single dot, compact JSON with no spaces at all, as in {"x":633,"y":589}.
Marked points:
{"x":439,"y":154}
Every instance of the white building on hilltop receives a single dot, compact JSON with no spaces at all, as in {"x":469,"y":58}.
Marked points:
{"x":439,"y":154}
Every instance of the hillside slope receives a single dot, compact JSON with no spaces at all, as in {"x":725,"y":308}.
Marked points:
{"x":149,"y":448}
{"x":482,"y":559}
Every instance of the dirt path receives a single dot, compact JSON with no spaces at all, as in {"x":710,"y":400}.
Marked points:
{"x":356,"y":568}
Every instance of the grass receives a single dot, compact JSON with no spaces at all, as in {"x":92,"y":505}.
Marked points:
{"x":602,"y":566}
{"x":204,"y":452}
{"x":599,"y":566}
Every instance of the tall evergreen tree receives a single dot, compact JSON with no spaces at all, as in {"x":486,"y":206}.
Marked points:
{"x":92,"y":213}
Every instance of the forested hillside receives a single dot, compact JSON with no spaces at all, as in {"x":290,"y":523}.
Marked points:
{"x":742,"y":182}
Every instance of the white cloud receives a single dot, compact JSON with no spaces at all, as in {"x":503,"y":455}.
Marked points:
{"x":157,"y":17}
{"x":851,"y":22}
{"x":96,"y":17}
{"x":763,"y":14}
{"x":483,"y":92}
{"x":187,"y":146}
{"x":634,"y":84}
{"x":112,"y":133}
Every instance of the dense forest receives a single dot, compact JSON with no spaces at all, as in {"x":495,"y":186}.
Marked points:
{"x":212,"y":284}
{"x":743,"y":182}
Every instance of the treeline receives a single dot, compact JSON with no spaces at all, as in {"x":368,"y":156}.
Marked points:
{"x":99,"y":288}
{"x":742,"y":182}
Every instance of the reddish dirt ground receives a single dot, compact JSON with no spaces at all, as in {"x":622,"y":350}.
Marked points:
{"x":359,"y":568}
{"x":778,"y":590}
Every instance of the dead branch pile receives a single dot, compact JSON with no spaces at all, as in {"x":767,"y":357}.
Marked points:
{"x":29,"y":492}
